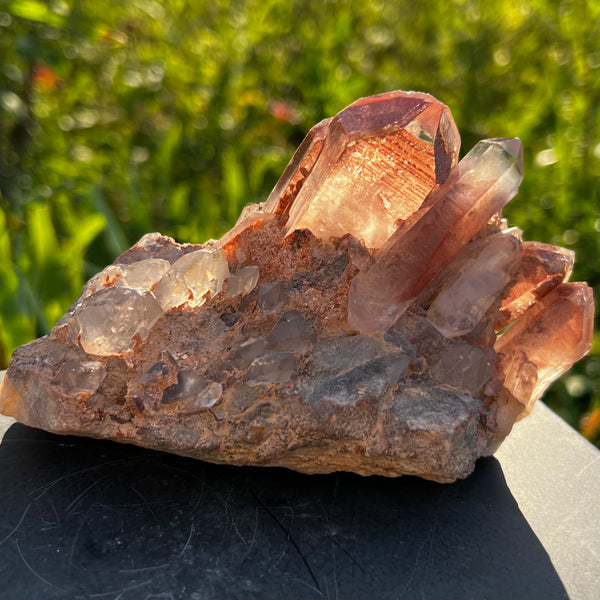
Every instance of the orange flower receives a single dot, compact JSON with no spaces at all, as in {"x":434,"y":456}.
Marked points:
{"x":45,"y":78}
{"x":590,"y":424}
{"x":282,"y":111}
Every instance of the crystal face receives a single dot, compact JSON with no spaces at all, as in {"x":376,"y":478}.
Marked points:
{"x":108,"y":322}
{"x":271,"y":367}
{"x":485,"y":180}
{"x":191,"y":278}
{"x":79,"y":377}
{"x":553,"y":334}
{"x":243,"y":281}
{"x":464,"y":301}
{"x":376,"y":314}
{"x":390,"y":148}
{"x":195,"y":392}
{"x":271,"y":297}
{"x":349,"y":369}
{"x":543,"y":267}
{"x":292,"y":333}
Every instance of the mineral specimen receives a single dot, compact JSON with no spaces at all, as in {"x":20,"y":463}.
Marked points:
{"x":375,"y":314}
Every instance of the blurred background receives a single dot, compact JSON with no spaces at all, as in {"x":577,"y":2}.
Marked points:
{"x":123,"y":117}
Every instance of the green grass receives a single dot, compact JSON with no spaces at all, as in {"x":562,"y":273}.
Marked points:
{"x":126,"y":117}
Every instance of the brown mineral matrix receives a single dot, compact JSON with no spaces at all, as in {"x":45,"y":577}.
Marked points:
{"x":374,"y":315}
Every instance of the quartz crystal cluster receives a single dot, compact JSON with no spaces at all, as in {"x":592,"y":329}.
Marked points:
{"x":376,"y":314}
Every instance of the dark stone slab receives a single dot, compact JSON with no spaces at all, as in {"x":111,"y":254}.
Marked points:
{"x":82,"y":518}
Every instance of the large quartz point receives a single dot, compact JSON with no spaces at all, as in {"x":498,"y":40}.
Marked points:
{"x":375,"y":314}
{"x":484,"y":181}
{"x":392,"y":149}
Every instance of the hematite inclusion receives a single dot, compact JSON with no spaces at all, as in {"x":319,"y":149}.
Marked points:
{"x":375,"y":314}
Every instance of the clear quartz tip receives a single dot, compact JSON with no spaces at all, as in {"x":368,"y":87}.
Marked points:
{"x":511,"y":146}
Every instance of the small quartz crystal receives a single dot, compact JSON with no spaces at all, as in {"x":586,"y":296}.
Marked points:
{"x":243,"y":281}
{"x":271,"y":297}
{"x":109,"y":321}
{"x":271,"y":367}
{"x":191,"y":278}
{"x":207,"y":397}
{"x":464,"y":301}
{"x":552,"y":335}
{"x":292,"y":333}
{"x":463,"y":367}
{"x":543,"y":267}
{"x":76,"y":377}
{"x":188,"y":385}
{"x":162,"y":371}
{"x":144,"y":274}
{"x":245,"y":352}
{"x":108,"y":277}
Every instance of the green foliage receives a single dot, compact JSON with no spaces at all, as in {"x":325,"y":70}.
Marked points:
{"x":126,"y":117}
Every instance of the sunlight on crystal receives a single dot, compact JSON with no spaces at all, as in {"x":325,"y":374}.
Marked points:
{"x":488,"y":177}
{"x":465,"y":300}
{"x":110,"y":319}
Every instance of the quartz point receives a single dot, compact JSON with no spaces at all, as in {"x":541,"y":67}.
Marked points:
{"x":243,"y":281}
{"x":271,"y":367}
{"x":375,"y":314}
{"x":486,"y":179}
{"x":543,"y":267}
{"x":391,"y":148}
{"x":463,"y":302}
{"x":108,"y":322}
{"x":271,"y":297}
{"x":190,"y":278}
{"x":554,"y":334}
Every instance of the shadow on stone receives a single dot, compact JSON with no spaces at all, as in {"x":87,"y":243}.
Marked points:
{"x":86,"y":519}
